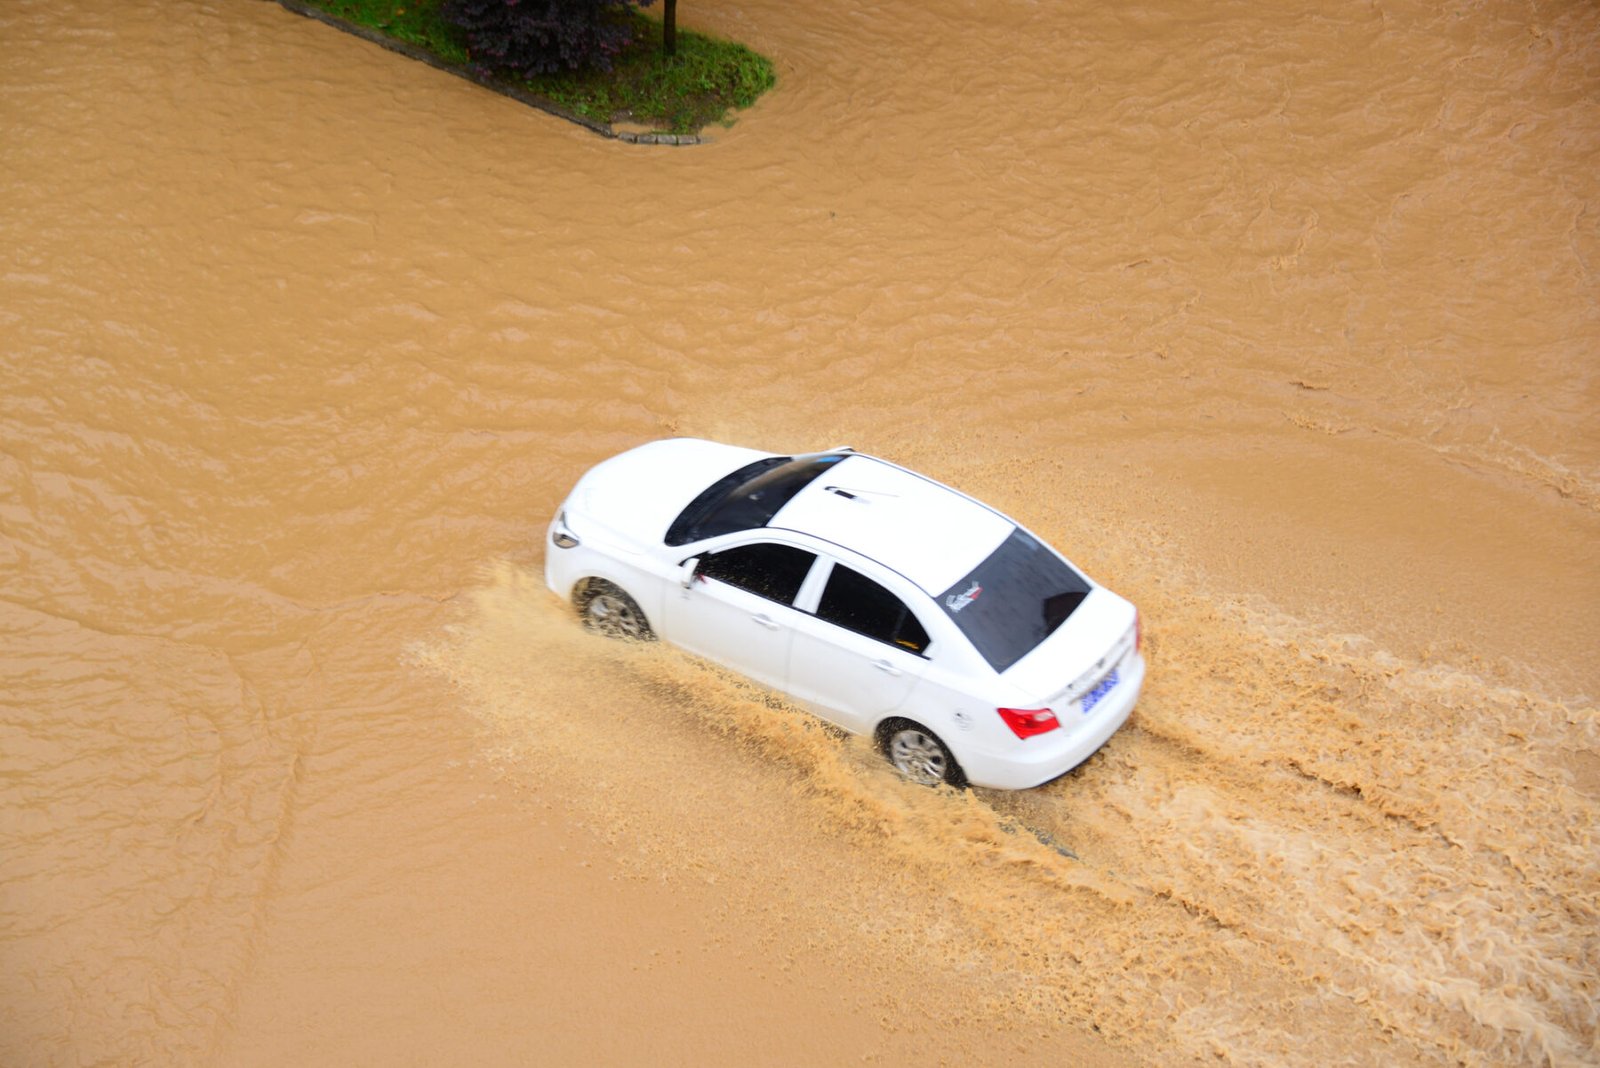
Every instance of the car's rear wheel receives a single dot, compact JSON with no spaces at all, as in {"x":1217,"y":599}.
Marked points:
{"x":918,"y":754}
{"x":609,"y":611}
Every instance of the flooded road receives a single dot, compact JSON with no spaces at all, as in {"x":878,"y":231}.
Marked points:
{"x":1283,"y":324}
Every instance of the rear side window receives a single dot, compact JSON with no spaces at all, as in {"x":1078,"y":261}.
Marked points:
{"x":855,"y":602}
{"x":768,"y":570}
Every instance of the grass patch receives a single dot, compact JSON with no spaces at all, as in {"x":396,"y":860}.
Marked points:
{"x":694,"y":89}
{"x":411,"y":22}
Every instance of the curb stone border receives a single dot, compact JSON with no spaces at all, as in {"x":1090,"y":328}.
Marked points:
{"x":517,"y":93}
{"x":653,"y":138}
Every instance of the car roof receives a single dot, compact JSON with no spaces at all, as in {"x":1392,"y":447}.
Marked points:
{"x":926,"y":531}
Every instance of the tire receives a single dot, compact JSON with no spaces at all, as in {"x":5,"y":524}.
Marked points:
{"x":918,"y":754}
{"x":608,"y":611}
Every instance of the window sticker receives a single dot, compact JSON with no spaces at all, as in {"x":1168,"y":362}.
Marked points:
{"x":957,"y":601}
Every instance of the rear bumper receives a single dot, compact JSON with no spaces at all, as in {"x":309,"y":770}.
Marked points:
{"x":1031,"y":764}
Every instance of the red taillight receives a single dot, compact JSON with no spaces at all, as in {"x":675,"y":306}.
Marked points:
{"x":1026,"y":722}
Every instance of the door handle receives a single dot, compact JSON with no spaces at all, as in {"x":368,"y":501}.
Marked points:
{"x":886,"y":667}
{"x":766,"y":621}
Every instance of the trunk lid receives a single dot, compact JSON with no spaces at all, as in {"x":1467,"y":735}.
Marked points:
{"x":1068,"y":663}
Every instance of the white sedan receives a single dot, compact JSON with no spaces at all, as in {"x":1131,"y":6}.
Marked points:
{"x":885,"y":602}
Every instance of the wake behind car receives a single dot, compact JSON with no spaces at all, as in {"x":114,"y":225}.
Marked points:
{"x":885,"y":602}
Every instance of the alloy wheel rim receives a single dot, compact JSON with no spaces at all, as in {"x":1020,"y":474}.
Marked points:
{"x":917,"y":757}
{"x":612,"y":616}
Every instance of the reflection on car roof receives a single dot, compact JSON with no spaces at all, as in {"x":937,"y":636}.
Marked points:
{"x":929,"y":533}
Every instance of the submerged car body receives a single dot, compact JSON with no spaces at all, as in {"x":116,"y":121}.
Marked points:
{"x":885,"y":602}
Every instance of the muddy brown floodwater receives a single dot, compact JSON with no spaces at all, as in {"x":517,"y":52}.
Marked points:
{"x":1282,"y":320}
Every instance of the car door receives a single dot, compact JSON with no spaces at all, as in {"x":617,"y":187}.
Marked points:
{"x":859,"y":655}
{"x":738,"y":609}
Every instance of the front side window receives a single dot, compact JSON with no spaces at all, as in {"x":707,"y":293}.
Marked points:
{"x":748,"y":498}
{"x":766,"y":569}
{"x":855,"y":602}
{"x":1015,"y":599}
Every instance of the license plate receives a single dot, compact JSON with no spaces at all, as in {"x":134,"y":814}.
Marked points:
{"x":1094,"y":696}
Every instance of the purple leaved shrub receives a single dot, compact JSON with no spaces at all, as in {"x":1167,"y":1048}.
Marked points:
{"x":529,"y":37}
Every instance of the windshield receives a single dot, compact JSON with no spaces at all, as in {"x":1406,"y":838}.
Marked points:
{"x":1015,"y":599}
{"x":749,"y":497}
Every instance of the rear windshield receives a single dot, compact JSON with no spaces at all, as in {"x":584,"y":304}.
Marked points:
{"x":1015,"y":599}
{"x":749,"y":497}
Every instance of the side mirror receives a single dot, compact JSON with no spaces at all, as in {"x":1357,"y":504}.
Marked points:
{"x":686,"y":571}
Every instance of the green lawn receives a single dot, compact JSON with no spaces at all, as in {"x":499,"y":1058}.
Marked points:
{"x":693,"y":89}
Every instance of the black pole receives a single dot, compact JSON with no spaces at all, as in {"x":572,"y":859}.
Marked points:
{"x":669,"y":28}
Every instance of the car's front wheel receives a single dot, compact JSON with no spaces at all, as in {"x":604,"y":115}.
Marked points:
{"x":609,"y":611}
{"x":918,"y":754}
